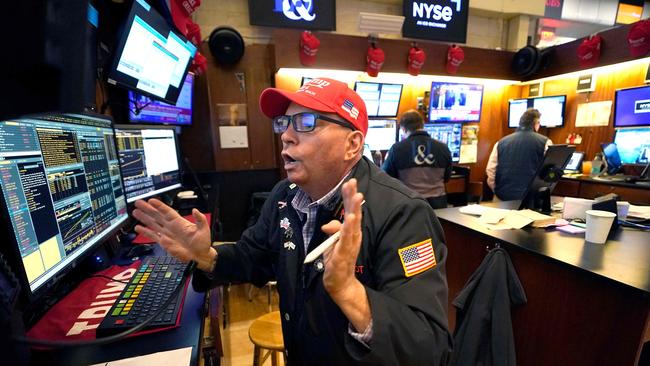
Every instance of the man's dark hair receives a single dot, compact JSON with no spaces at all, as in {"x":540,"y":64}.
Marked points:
{"x":411,"y":121}
{"x":527,"y":119}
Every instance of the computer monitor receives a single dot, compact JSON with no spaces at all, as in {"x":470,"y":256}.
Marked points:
{"x":367,"y":152}
{"x":382,"y":99}
{"x":61,"y":190}
{"x":305,"y":80}
{"x":633,"y":144}
{"x":613,"y":159}
{"x":143,"y":109}
{"x":575,"y":163}
{"x":382,"y":134}
{"x":549,"y":172}
{"x":449,"y":134}
{"x":151,"y":57}
{"x":149,"y":160}
{"x":552,"y":109}
{"x":455,"y":102}
{"x":632,"y":107}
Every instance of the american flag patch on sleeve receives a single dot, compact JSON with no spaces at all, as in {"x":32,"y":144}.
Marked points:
{"x":417,"y":258}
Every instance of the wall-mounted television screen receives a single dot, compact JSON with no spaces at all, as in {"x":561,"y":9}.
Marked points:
{"x":293,"y":14}
{"x":447,"y":133}
{"x":633,"y":145}
{"x":143,"y":109}
{"x":382,"y":99}
{"x":632,"y":107}
{"x":552,"y":110}
{"x":382,"y":134}
{"x":151,"y":57}
{"x":436,"y":20}
{"x":455,"y":102}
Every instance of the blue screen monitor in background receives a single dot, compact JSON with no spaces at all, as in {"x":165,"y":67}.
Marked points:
{"x":382,"y":134}
{"x":552,"y":109}
{"x":455,"y":102}
{"x":382,"y":99}
{"x":633,"y":145}
{"x":449,"y":134}
{"x":610,"y":151}
{"x":143,"y":109}
{"x":632,"y":107}
{"x":151,"y":57}
{"x":61,"y":193}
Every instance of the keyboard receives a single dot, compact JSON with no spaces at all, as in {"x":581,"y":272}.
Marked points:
{"x":147,"y":291}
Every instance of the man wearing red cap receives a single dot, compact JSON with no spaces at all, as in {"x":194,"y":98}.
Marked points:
{"x":379,"y":295}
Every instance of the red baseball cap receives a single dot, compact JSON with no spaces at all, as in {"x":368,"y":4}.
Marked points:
{"x":181,"y":11}
{"x":322,"y":95}
{"x":309,"y":45}
{"x":455,"y":57}
{"x":639,"y":38}
{"x":416,"y":60}
{"x":589,"y":51}
{"x":374,"y":60}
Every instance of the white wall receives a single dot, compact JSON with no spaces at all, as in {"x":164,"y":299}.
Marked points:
{"x":482,"y":31}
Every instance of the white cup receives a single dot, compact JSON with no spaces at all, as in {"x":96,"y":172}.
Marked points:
{"x":598,"y":225}
{"x":623,"y":208}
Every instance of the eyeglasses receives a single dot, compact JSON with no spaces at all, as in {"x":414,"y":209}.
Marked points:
{"x":304,"y":122}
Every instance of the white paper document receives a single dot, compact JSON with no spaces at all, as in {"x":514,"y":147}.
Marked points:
{"x":177,"y":357}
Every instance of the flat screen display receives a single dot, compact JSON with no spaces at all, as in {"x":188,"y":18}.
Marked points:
{"x":438,"y":20}
{"x":552,"y":109}
{"x":312,"y":14}
{"x":613,"y":158}
{"x":633,"y":145}
{"x":149,"y":160}
{"x":382,"y":134}
{"x":382,"y":100}
{"x":575,"y":162}
{"x":62,"y":191}
{"x":143,"y":109}
{"x":455,"y":102}
{"x":632,"y":107}
{"x":449,"y":134}
{"x":151,"y":57}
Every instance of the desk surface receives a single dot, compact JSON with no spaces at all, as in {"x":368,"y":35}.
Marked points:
{"x":620,"y":183}
{"x":187,"y":335}
{"x":625,"y":258}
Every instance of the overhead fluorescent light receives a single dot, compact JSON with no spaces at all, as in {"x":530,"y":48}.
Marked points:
{"x":380,"y":23}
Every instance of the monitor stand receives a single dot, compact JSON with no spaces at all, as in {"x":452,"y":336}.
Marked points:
{"x":540,"y":201}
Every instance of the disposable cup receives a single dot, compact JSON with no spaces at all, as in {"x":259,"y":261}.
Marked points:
{"x":598,"y":225}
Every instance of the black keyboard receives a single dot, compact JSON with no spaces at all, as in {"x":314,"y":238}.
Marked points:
{"x":147,"y":290}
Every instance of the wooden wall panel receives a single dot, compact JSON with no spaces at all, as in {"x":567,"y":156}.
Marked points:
{"x":343,"y":52}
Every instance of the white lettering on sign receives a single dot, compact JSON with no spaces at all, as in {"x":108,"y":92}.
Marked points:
{"x":435,"y":12}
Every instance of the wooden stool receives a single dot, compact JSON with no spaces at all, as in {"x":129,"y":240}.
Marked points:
{"x":266,"y":333}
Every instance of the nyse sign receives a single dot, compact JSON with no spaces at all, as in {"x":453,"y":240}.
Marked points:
{"x":442,"y":20}
{"x":302,"y":14}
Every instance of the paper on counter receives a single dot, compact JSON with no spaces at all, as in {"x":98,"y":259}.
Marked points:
{"x":177,"y":357}
{"x":639,"y":212}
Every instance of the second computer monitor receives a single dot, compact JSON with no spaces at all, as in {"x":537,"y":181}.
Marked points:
{"x":449,"y":134}
{"x":149,"y":159}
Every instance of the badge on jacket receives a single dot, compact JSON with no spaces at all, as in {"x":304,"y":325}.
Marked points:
{"x":417,"y":258}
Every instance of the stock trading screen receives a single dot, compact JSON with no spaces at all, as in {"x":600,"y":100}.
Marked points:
{"x":62,"y":188}
{"x":149,"y":160}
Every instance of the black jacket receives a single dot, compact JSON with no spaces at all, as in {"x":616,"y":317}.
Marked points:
{"x":422,"y":163}
{"x":518,"y":156}
{"x":409,"y":313}
{"x":483,"y":333}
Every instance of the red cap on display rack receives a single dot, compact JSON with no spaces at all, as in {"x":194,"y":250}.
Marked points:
{"x":309,"y":45}
{"x":589,"y":51}
{"x":639,"y":38}
{"x":416,"y":60}
{"x":181,"y":11}
{"x":374,"y":60}
{"x":455,"y":57}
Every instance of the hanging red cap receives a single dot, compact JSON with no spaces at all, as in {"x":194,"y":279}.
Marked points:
{"x":309,"y":45}
{"x":639,"y":38}
{"x":181,"y":11}
{"x":416,"y":60}
{"x":455,"y":57}
{"x":374,"y":60}
{"x":589,"y":51}
{"x":199,"y":63}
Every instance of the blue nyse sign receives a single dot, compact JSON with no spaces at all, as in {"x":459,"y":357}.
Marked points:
{"x":303,"y":14}
{"x":438,"y":20}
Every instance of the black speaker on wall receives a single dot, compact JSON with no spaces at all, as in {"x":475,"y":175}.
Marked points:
{"x":530,"y":60}
{"x":226,"y":45}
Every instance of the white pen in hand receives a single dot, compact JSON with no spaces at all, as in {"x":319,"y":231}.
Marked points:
{"x":319,"y":250}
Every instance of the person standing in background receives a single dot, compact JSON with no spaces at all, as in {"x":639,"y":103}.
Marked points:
{"x":420,"y":162}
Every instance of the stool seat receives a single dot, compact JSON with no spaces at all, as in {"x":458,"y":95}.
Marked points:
{"x":266,"y":332}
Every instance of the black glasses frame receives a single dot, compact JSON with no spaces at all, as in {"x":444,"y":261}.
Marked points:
{"x":317,"y":116}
